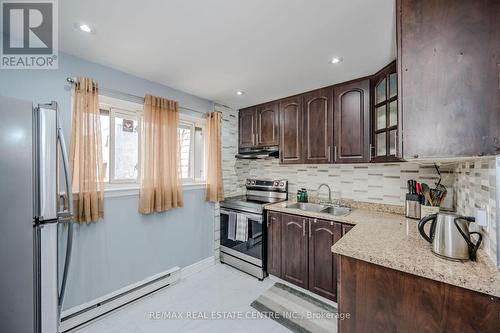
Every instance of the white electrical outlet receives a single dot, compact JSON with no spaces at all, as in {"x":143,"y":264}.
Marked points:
{"x":482,"y":217}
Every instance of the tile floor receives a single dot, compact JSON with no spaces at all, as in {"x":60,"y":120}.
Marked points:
{"x":218,"y":288}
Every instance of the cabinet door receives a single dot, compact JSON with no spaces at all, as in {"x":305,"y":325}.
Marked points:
{"x":318,"y":126}
{"x":352,"y":123}
{"x":448,"y":58}
{"x":322,"y":262}
{"x":247,"y":128}
{"x":274,"y":243}
{"x":385,"y":138}
{"x":294,"y":249}
{"x":267,"y":132}
{"x":291,"y":130}
{"x":346,"y":228}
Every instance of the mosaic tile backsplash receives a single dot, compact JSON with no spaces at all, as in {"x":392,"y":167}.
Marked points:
{"x":375,"y":183}
{"x":475,"y":187}
{"x":470,"y":184}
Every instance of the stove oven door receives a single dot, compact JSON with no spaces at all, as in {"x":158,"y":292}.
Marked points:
{"x":250,"y":251}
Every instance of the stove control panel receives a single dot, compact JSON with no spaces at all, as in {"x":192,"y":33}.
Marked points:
{"x":267,"y":185}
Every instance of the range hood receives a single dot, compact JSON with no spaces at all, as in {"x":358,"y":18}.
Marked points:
{"x":258,"y":153}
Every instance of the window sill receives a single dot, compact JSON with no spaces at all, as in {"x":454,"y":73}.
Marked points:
{"x":114,"y":191}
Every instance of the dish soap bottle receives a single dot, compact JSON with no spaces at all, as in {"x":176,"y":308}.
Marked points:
{"x":302,"y":195}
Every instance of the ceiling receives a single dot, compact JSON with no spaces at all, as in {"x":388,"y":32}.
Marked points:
{"x":268,"y":49}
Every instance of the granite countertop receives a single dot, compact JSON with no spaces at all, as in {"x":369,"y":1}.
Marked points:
{"x":393,"y":241}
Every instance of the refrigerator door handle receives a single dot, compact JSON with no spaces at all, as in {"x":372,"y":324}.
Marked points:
{"x":68,"y":213}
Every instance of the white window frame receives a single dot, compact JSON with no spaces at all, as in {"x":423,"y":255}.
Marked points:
{"x":127,"y":114}
{"x":193,"y":123}
{"x":135,"y":111}
{"x":129,"y":110}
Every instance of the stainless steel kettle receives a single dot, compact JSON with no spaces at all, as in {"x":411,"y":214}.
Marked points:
{"x":450,"y":236}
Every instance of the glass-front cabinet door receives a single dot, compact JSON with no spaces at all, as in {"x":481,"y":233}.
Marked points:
{"x":384,"y":86}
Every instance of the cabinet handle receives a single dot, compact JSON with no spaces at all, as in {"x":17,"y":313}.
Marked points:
{"x":329,"y":154}
{"x":304,"y":228}
{"x":370,"y":153}
{"x":310,"y":228}
{"x":334,"y":153}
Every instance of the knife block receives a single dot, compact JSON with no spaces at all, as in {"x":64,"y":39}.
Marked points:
{"x":412,"y":206}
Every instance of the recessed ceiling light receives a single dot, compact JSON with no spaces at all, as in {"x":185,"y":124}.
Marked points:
{"x":85,"y":28}
{"x":239,"y":92}
{"x":336,"y":60}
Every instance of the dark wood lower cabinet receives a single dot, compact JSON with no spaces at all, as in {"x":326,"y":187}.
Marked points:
{"x":299,"y":251}
{"x":294,"y":249}
{"x":380,"y":299}
{"x":274,"y":243}
{"x":346,"y":228}
{"x":322,"y":262}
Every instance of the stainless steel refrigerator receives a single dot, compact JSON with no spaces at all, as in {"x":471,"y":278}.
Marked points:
{"x":35,"y":213}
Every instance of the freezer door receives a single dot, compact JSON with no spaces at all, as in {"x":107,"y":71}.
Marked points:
{"x":48,"y":278}
{"x":46,"y":162}
{"x":17,"y":294}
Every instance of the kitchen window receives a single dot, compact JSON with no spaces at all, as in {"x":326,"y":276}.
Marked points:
{"x":191,"y":149}
{"x":121,"y":123}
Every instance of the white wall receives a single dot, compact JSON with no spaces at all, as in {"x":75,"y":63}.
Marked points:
{"x":125,"y":246}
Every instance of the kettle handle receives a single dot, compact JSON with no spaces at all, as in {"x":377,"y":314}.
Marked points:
{"x":472,"y":247}
{"x":421,"y":225}
{"x":473,"y":250}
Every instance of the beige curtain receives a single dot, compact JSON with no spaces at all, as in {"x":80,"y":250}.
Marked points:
{"x":215,"y":189}
{"x":85,"y":153}
{"x":161,"y":187}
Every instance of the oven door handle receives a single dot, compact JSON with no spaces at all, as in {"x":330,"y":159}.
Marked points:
{"x":253,"y":217}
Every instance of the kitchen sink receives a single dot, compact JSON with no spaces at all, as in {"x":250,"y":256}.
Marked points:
{"x":337,"y":211}
{"x":317,"y":208}
{"x":310,"y":207}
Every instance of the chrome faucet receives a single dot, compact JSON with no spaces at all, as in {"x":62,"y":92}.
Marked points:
{"x":329,"y":191}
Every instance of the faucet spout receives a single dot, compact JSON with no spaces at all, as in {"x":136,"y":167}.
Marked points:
{"x":329,"y":191}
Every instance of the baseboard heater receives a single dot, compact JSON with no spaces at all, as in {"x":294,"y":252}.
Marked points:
{"x":85,"y":313}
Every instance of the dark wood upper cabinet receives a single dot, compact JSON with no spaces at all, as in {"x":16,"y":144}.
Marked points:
{"x":274,"y":243}
{"x":448,"y":64}
{"x":318,"y":126}
{"x":385,"y":133}
{"x":267,"y":127}
{"x":322,"y":262}
{"x":291,"y":123}
{"x":294,"y":251}
{"x":351,"y":117}
{"x":259,"y":126}
{"x":247,"y":128}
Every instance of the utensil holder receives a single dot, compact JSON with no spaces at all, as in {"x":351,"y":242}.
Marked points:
{"x":428,"y":210}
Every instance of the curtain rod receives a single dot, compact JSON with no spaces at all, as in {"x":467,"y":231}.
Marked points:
{"x":112,"y":92}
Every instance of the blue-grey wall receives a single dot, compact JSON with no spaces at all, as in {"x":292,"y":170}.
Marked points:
{"x":124,"y":247}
